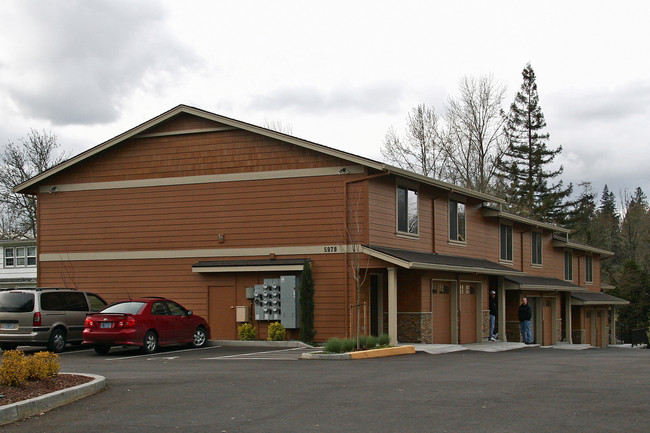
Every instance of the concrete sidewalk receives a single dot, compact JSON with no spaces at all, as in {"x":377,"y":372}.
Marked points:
{"x":489,"y":346}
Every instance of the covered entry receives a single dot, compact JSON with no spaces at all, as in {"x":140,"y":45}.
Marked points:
{"x":592,"y":321}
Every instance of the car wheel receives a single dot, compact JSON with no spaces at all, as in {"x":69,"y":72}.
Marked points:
{"x":150,"y":342}
{"x":57,"y":341}
{"x":102,"y":349}
{"x":8,"y":346}
{"x":200,"y":337}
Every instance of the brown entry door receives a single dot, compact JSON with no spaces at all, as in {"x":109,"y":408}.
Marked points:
{"x":221,"y":312}
{"x":467,"y":315}
{"x":441,"y":312}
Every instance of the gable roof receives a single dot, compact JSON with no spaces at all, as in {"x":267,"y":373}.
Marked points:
{"x":148,"y":125}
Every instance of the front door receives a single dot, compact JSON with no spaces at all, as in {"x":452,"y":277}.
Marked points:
{"x":221,"y":312}
{"x":441,"y":311}
{"x":467,"y":320}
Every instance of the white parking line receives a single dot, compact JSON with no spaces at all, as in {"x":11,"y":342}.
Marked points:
{"x":247,"y":355}
{"x":150,"y":355}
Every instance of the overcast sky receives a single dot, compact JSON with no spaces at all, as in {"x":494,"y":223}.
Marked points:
{"x":339,"y":73}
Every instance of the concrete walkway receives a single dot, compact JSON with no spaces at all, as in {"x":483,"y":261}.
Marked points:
{"x":491,"y":346}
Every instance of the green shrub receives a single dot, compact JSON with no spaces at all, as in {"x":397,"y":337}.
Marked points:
{"x":384,"y":340}
{"x":371,"y":342}
{"x":246,"y":332}
{"x":42,"y":365}
{"x":277,"y":332}
{"x":13,"y":370}
{"x":334,"y":345}
{"x":349,"y":344}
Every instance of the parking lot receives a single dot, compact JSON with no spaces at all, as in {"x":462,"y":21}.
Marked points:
{"x":238,"y":389}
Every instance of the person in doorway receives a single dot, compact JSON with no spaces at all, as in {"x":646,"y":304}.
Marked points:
{"x":493,"y":315}
{"x":525,"y":314}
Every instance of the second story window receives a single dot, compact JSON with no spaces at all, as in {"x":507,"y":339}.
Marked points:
{"x":407,"y":210}
{"x":568,"y":266}
{"x":536,"y":241}
{"x":19,"y":257}
{"x":589,"y":269}
{"x":456,"y":221}
{"x":506,"y":242}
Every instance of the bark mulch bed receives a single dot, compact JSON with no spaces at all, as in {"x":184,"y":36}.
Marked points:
{"x":36,"y":388}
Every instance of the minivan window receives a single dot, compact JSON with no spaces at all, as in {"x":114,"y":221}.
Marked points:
{"x":96,"y":303}
{"x":54,"y":301}
{"x":75,"y":301}
{"x":124,"y":308}
{"x":16,"y":302}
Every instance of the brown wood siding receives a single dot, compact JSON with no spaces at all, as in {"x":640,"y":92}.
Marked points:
{"x":249,"y":214}
{"x":383,"y":216}
{"x":193,"y":155}
{"x":184,"y":122}
{"x":119,"y":279}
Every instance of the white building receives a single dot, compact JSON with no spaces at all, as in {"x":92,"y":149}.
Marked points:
{"x":18,"y":263}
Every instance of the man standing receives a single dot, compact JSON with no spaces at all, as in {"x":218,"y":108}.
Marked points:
{"x":493,"y":315}
{"x":525,"y":314}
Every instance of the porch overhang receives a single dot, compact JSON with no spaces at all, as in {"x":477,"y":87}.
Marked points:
{"x":544,"y":284}
{"x":437,"y":262}
{"x":596,"y":298}
{"x":265,"y":265}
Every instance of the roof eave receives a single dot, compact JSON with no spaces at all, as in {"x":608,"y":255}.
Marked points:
{"x":488,"y":212}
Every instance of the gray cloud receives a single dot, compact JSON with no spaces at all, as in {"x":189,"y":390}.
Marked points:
{"x":375,"y":98}
{"x":78,"y":59}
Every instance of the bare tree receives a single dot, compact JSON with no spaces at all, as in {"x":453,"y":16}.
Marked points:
{"x":20,"y":162}
{"x":420,"y":150}
{"x":475,"y":139}
{"x":278,"y":125}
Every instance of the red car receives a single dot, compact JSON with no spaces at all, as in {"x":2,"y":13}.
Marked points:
{"x":145,"y":322}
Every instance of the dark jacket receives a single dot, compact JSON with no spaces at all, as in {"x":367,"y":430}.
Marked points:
{"x":493,"y":306}
{"x":525,"y":312}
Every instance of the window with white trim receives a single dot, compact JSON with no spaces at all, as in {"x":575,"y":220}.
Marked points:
{"x":536,"y":245}
{"x":407,"y":210}
{"x":506,"y":242}
{"x":589,"y":269}
{"x":456,"y":221}
{"x":16,"y":257}
{"x":568,"y":266}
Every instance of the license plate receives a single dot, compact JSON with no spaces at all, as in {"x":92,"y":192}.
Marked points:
{"x":9,"y":326}
{"x":107,"y":325}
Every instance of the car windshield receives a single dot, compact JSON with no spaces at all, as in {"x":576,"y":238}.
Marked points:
{"x":16,"y":302}
{"x":129,"y":307}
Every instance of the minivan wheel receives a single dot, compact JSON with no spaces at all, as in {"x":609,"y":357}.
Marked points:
{"x":200,"y":337}
{"x":150,"y":342}
{"x":8,"y":346}
{"x":57,"y":341}
{"x":102,"y":349}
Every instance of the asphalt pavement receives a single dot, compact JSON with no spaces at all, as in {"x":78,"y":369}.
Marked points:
{"x":250,"y":389}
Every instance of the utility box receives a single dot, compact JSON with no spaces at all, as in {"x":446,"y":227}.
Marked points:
{"x":289,"y":298}
{"x":241,"y":313}
{"x":250,"y":292}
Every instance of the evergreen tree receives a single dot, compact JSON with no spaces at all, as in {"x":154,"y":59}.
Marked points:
{"x":633,"y":284}
{"x":607,"y":233}
{"x":635,"y":229}
{"x":307,"y":332}
{"x":581,"y":218}
{"x":528,"y":183}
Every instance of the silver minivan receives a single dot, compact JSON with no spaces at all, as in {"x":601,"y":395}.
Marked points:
{"x":48,"y":317}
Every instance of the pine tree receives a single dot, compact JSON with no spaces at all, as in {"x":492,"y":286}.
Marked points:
{"x":607,"y":233}
{"x":635,"y":229}
{"x":528,"y":184}
{"x":581,"y":218}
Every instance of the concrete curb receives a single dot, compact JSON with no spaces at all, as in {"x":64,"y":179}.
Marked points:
{"x":362,"y":354}
{"x":258,"y":343}
{"x":34,"y":406}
